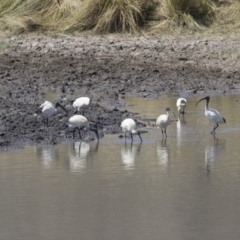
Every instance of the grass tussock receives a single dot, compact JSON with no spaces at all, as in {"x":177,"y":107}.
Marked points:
{"x":106,"y":16}
{"x":12,"y":7}
{"x":227,"y":18}
{"x":121,"y":16}
{"x":28,"y":15}
{"x":52,"y":13}
{"x":190,"y":14}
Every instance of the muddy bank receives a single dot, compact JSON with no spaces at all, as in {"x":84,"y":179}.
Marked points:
{"x":111,"y":68}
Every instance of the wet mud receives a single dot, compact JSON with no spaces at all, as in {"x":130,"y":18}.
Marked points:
{"x":109,"y":68}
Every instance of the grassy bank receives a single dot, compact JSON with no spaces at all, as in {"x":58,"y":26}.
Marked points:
{"x":122,"y":16}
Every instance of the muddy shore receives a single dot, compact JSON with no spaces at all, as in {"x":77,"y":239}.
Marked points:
{"x":111,"y":67}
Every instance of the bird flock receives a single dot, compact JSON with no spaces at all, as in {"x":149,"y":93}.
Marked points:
{"x":79,"y":122}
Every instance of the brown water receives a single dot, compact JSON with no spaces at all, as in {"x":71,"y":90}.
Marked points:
{"x":184,"y":188}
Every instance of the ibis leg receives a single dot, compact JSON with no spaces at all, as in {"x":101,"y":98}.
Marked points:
{"x":131,"y":136}
{"x":79,"y":132}
{"x":74,"y":132}
{"x":215,"y":127}
{"x":140,"y":136}
{"x":162,"y":133}
{"x":165,"y":132}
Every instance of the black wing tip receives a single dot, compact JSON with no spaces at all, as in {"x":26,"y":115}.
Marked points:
{"x":224,"y":120}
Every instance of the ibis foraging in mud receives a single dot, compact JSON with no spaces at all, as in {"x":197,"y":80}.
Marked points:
{"x":79,"y":122}
{"x":47,"y":109}
{"x":163,"y":121}
{"x":129,"y":126}
{"x":212,"y":115}
{"x":82,"y":103}
{"x":181,"y":104}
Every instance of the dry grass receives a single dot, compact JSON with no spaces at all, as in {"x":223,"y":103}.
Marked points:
{"x":125,"y":16}
{"x":190,"y":14}
{"x":227,"y":19}
{"x":52,"y":13}
{"x":122,"y":16}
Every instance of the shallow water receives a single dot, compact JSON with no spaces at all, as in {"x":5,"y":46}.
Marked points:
{"x":186,"y":187}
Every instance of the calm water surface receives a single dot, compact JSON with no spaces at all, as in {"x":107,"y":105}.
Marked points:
{"x":187,"y":187}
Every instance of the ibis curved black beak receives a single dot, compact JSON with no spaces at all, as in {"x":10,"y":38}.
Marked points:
{"x":59,"y":105}
{"x":206,"y":98}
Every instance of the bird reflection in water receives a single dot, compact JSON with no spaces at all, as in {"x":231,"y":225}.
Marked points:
{"x":48,"y":155}
{"x":128,"y":154}
{"x":213,"y":152}
{"x":80,"y":156}
{"x":163,"y":154}
{"x":180,"y":124}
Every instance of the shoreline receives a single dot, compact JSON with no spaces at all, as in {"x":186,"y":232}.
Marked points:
{"x":113,"y":67}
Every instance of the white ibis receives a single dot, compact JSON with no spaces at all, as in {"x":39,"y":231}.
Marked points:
{"x":163,"y":121}
{"x":129,"y":126}
{"x":47,"y":109}
{"x":79,"y":122}
{"x":181,"y":104}
{"x":82,"y":103}
{"x":212,"y":115}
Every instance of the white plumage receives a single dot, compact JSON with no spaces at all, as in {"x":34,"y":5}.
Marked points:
{"x":79,"y":122}
{"x":129,"y":126}
{"x":181,"y":104}
{"x":163,"y":121}
{"x":82,"y":103}
{"x":212,"y":115}
{"x":47,"y":109}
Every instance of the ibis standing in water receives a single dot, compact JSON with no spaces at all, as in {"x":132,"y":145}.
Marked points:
{"x":79,"y":122}
{"x":212,"y":115}
{"x":163,"y":121}
{"x":129,"y":126}
{"x":47,"y":109}
{"x":181,"y":104}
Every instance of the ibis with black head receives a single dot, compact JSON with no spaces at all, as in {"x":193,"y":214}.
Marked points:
{"x":47,"y":109}
{"x":212,"y":115}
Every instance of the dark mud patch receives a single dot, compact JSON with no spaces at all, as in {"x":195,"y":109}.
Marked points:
{"x":111,"y":69}
{"x":19,"y":125}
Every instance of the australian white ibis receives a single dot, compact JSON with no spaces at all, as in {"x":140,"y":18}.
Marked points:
{"x":79,"y":122}
{"x":82,"y":103}
{"x":129,"y":126}
{"x":181,"y":104}
{"x":163,"y":121}
{"x":47,"y":109}
{"x":212,"y":115}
